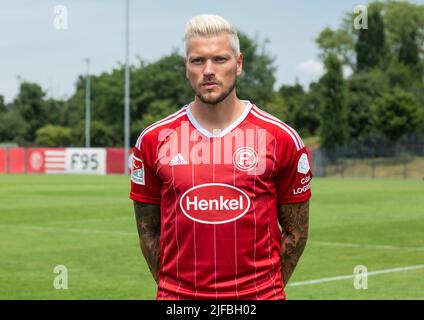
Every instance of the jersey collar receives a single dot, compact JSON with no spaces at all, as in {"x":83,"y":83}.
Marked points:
{"x":222,"y":132}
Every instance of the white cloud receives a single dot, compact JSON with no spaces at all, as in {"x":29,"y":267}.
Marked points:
{"x":311,"y":67}
{"x":347,"y":71}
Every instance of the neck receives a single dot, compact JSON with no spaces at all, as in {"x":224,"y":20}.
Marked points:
{"x":217,"y":116}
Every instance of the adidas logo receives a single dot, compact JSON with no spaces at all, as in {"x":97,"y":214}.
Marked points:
{"x":177,"y":160}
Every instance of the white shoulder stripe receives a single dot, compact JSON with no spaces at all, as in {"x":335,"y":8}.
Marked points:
{"x":266,"y":114}
{"x":279,"y":125}
{"x":157,"y":125}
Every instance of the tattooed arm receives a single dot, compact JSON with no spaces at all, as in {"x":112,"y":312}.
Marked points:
{"x":294,"y":221}
{"x":148,"y":226}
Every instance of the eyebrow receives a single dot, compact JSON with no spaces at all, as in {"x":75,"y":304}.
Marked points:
{"x":223,"y":55}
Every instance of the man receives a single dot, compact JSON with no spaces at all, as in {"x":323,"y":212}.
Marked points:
{"x":211,"y":182}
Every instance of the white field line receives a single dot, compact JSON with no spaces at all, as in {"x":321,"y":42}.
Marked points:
{"x":76,"y":230}
{"x":351,"y":276}
{"x":89,"y":220}
{"x":367,"y":246}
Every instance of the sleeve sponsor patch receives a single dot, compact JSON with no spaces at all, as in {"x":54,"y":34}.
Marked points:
{"x":303,"y":164}
{"x":137,"y":171}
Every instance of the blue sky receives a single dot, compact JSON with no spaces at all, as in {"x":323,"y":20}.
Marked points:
{"x":32,"y":48}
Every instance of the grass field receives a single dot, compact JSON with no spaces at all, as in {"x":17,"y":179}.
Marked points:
{"x":87,"y":224}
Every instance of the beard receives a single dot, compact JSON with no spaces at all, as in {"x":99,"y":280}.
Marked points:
{"x":215,"y":100}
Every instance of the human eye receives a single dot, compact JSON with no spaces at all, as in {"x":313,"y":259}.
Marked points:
{"x":221,"y":59}
{"x":196,"y":60}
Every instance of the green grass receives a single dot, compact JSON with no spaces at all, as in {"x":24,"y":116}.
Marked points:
{"x":87,"y":224}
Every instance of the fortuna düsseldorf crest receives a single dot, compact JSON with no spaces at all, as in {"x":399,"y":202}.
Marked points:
{"x":245,"y":158}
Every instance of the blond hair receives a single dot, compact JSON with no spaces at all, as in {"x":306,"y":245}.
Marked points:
{"x":207,"y":25}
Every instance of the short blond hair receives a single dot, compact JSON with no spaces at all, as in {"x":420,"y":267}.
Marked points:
{"x":207,"y":25}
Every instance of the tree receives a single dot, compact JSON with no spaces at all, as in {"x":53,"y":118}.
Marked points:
{"x":101,"y":135}
{"x":277,"y":106}
{"x":363,"y":90}
{"x":405,"y":25}
{"x":334,"y":126}
{"x":340,"y":42}
{"x":370,"y":46}
{"x":31,"y":106}
{"x":257,"y":80}
{"x":13,"y":127}
{"x":53,"y":136}
{"x":309,"y":115}
{"x":409,"y":54}
{"x":302,"y":111}
{"x":396,"y":114}
{"x":2,"y":104}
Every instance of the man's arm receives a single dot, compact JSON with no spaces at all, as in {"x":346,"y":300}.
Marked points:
{"x":148,"y":225}
{"x":294,"y":221}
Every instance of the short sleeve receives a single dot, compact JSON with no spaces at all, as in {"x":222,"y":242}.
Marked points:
{"x":145,"y":184}
{"x":293,"y":180}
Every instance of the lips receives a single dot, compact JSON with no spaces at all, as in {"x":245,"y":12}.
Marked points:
{"x":209,"y":84}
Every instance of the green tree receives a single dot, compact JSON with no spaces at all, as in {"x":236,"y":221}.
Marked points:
{"x":363,"y":90}
{"x":334,"y":126}
{"x":2,"y":104}
{"x":396,"y":114}
{"x":340,"y":42}
{"x":53,"y":136}
{"x":370,"y":46}
{"x":309,"y":116}
{"x":277,"y":107}
{"x":13,"y":127}
{"x":101,"y":135}
{"x":400,"y":75}
{"x":405,"y":25}
{"x":31,"y":106}
{"x":257,"y":80}
{"x":302,"y":111}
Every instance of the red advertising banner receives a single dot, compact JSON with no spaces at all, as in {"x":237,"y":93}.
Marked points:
{"x":46,"y":160}
{"x":115,"y":160}
{"x":16,"y":160}
{"x":3,"y":160}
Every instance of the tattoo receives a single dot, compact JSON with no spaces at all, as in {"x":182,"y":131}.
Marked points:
{"x":294,"y":221}
{"x":148,"y":226}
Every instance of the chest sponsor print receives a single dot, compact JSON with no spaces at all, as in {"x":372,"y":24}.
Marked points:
{"x":214,"y":203}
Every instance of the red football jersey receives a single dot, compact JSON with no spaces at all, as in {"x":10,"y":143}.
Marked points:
{"x":219,"y":192}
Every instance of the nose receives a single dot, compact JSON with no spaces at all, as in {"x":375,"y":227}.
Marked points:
{"x":208,"y":70}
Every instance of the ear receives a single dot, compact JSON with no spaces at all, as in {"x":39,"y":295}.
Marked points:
{"x":239,"y":64}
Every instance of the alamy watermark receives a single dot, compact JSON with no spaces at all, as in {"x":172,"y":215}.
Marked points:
{"x":60,"y":20}
{"x":361,"y":20}
{"x":60,"y":281}
{"x":360,"y":279}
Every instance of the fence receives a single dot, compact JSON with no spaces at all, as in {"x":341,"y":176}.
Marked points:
{"x":99,"y":161}
{"x":383,"y":161}
{"x":406,"y":162}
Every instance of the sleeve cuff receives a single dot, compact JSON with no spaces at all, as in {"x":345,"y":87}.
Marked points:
{"x":144,"y":199}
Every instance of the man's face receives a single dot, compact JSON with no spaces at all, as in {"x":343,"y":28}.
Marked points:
{"x":212,"y":67}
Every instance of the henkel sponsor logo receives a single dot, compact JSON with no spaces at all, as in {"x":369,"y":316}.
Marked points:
{"x":214,"y":203}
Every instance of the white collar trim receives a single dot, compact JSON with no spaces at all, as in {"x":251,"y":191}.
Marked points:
{"x":220,"y":133}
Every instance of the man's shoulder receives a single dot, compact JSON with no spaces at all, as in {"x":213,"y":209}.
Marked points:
{"x":152,"y":132}
{"x":278,"y":128}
